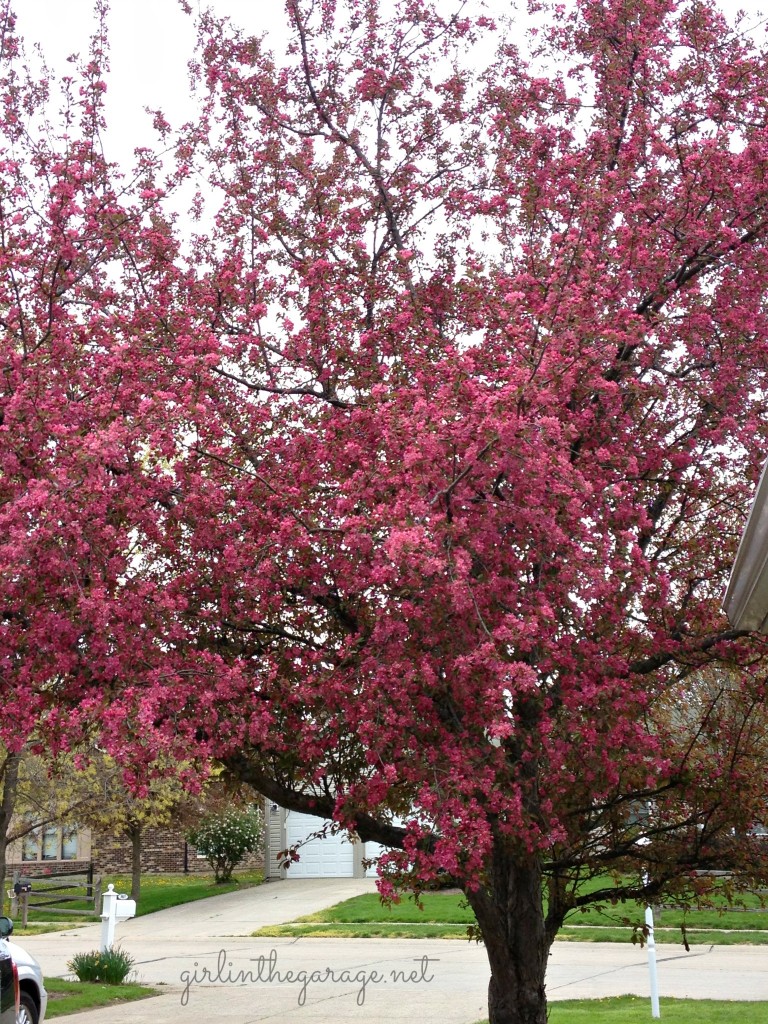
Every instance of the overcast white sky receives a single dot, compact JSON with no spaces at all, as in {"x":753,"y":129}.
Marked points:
{"x":150,"y":44}
{"x":151,"y":41}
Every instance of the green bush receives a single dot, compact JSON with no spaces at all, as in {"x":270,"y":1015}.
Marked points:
{"x":110,"y":967}
{"x":225,"y":839}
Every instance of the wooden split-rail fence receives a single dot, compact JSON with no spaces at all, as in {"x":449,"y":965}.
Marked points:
{"x":65,"y":892}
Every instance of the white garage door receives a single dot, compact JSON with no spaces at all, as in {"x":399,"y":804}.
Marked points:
{"x":371,"y":851}
{"x":331,"y":857}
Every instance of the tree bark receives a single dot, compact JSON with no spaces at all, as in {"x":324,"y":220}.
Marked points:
{"x":510,"y":914}
{"x":10,"y":775}
{"x":136,"y":845}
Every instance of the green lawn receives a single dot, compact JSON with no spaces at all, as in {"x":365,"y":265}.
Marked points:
{"x":65,"y":997}
{"x":744,"y":923}
{"x":633,"y":1010}
{"x":445,"y":908}
{"x":157,"y":893}
{"x":445,"y":915}
{"x":750,"y":918}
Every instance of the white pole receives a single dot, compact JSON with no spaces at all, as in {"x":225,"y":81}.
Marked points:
{"x":108,"y":901}
{"x":655,"y":1012}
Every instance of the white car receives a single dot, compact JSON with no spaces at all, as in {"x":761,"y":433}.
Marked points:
{"x":21,"y":982}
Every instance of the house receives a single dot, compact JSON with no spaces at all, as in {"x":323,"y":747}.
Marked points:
{"x":58,"y":848}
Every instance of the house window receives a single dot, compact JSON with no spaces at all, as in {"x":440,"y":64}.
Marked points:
{"x":69,"y":843}
{"x":50,"y":843}
{"x":30,"y":847}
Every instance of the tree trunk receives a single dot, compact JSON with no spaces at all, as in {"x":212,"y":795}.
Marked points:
{"x":510,"y":915}
{"x":136,"y":845}
{"x":10,"y":775}
{"x":3,"y":853}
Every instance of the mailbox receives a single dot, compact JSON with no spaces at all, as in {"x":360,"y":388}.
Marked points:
{"x":125,"y":908}
{"x":115,"y":907}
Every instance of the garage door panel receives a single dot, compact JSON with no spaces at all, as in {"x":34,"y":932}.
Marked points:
{"x":332,"y":857}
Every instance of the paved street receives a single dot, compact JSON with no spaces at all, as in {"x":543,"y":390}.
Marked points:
{"x":213,"y":970}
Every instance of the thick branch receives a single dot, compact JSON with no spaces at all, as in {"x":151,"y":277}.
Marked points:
{"x":368,"y":828}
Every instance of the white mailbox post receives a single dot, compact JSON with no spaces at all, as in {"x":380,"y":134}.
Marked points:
{"x":115,"y":906}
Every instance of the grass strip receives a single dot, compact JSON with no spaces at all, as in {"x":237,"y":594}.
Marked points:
{"x":636,"y":1010}
{"x":42,"y":927}
{"x":404,"y":930}
{"x":362,"y":930}
{"x":667,"y":936}
{"x":66,"y":997}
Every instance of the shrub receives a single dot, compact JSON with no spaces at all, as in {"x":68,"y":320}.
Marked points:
{"x":225,"y":839}
{"x":110,"y":967}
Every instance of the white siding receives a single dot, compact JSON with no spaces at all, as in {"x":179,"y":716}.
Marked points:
{"x":274,"y":836}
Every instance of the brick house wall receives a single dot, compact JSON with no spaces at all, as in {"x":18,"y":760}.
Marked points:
{"x":42,"y":869}
{"x":164,"y":851}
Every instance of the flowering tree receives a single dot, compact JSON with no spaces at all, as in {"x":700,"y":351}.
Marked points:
{"x":408,"y":485}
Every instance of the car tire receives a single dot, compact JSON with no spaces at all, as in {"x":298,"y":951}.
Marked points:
{"x":27,"y":1010}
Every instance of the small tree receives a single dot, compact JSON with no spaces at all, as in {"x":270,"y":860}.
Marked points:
{"x":118,"y":810}
{"x":225,"y":839}
{"x":31,"y":799}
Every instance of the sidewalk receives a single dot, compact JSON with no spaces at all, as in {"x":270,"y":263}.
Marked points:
{"x":214,"y":970}
{"x":193,"y":925}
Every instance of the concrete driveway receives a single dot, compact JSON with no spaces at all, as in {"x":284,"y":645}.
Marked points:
{"x":214,"y":970}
